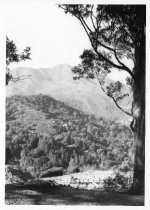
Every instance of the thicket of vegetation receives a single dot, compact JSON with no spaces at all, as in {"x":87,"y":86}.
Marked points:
{"x":42,"y":133}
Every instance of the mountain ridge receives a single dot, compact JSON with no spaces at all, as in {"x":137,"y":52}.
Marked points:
{"x":58,"y":82}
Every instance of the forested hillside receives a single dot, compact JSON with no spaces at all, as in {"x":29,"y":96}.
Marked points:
{"x":42,"y":133}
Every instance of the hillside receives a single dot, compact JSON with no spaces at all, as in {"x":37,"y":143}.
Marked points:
{"x":42,"y":133}
{"x":81,"y":94}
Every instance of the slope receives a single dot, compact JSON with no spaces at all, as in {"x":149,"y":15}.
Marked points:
{"x":42,"y":132}
{"x":58,"y":82}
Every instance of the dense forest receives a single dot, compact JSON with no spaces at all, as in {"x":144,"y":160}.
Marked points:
{"x":42,"y":133}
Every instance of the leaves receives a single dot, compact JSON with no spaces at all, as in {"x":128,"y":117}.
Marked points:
{"x":12,"y":56}
{"x":112,"y":37}
{"x":110,"y":30}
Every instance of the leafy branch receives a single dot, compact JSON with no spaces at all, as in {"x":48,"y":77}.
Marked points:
{"x":108,"y":93}
{"x":12,"y":55}
{"x":76,"y":11}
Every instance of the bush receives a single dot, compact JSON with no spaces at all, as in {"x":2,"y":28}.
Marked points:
{"x":118,"y":183}
{"x":38,"y":153}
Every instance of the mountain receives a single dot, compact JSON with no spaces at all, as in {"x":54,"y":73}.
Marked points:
{"x":58,"y":82}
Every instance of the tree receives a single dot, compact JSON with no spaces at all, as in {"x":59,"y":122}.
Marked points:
{"x":116,"y":33}
{"x":12,"y":55}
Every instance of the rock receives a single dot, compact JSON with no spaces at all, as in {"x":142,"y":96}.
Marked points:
{"x":15,"y":175}
{"x":55,"y":171}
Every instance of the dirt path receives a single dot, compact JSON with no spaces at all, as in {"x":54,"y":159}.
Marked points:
{"x":69,"y":196}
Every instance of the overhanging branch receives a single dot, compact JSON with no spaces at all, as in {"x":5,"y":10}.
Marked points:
{"x":122,"y":66}
{"x":113,"y":64}
{"x":90,"y":33}
{"x":92,"y":18}
{"x":115,"y":101}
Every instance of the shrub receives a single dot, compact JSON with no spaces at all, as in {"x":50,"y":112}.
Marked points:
{"x":118,"y":183}
{"x":38,"y":153}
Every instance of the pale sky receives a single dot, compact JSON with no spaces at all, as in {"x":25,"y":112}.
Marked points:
{"x":54,"y":37}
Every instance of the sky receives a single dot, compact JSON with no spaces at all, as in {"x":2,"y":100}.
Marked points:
{"x":54,"y":37}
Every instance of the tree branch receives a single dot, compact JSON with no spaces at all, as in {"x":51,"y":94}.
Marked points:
{"x":120,"y":107}
{"x":92,"y":18}
{"x":113,"y":64}
{"x":111,"y":96}
{"x":82,"y":22}
{"x":88,"y":31}
{"x":19,"y":78}
{"x":122,"y":66}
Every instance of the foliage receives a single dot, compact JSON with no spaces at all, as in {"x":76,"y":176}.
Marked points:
{"x":120,"y":182}
{"x":118,"y":33}
{"x":12,"y":55}
{"x":113,"y":37}
{"x":110,"y":30}
{"x":42,"y":133}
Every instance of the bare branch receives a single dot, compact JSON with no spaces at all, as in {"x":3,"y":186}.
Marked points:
{"x":86,"y":24}
{"x":20,"y":78}
{"x":92,"y":18}
{"x":120,"y":107}
{"x":83,"y":24}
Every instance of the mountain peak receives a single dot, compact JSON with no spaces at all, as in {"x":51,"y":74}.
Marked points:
{"x":58,"y":82}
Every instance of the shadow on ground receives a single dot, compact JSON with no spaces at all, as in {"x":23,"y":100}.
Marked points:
{"x":45,"y":195}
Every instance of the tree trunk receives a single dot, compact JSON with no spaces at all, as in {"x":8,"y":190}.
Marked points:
{"x":138,"y":111}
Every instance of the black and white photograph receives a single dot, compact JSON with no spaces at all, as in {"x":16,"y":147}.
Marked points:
{"x":75,"y":82}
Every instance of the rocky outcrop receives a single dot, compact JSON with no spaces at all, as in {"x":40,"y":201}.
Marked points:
{"x":15,"y":175}
{"x":55,"y":171}
{"x":17,"y":179}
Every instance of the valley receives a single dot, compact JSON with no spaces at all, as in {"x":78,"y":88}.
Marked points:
{"x":56,"y":123}
{"x":42,"y":133}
